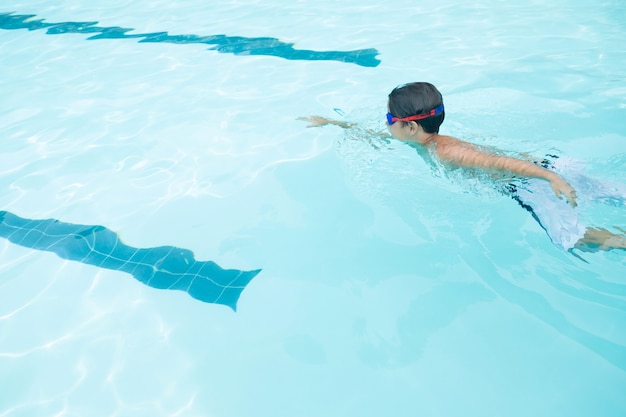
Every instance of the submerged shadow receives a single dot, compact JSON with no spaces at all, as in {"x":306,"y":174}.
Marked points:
{"x":164,"y":267}
{"x":237,"y":45}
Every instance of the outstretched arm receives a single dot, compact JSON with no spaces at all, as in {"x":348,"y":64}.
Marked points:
{"x":317,"y":121}
{"x":464,"y":156}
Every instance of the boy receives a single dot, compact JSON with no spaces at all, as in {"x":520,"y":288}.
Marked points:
{"x":416,"y":112}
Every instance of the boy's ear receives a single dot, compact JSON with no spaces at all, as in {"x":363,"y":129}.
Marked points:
{"x":413,"y":126}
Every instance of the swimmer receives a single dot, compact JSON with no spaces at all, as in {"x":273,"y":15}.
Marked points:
{"x":415,"y":113}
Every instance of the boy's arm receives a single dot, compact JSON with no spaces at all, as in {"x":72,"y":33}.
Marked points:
{"x":316,"y":121}
{"x":463,"y":156}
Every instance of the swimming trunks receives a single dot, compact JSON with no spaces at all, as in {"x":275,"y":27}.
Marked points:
{"x":560,"y":220}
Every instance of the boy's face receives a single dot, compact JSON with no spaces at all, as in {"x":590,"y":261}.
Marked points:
{"x":399,"y":130}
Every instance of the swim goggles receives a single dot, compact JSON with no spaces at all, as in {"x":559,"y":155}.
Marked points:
{"x":391,"y":119}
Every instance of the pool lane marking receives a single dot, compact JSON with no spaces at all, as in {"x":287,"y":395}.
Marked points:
{"x":165,"y":267}
{"x":237,"y":45}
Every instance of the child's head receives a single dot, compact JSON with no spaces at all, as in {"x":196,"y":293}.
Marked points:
{"x":417,"y":99}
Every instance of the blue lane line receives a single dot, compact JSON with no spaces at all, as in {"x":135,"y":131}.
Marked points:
{"x":237,"y":45}
{"x":164,"y":267}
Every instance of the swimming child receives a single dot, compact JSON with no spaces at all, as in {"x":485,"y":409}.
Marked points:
{"x":415,"y":113}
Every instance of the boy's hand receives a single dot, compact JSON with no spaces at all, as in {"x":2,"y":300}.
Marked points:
{"x":562,"y":189}
{"x":315,"y":121}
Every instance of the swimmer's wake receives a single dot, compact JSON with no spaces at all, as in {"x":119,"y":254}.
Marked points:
{"x":165,"y":267}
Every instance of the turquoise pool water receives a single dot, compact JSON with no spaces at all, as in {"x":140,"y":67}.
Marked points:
{"x":146,"y":139}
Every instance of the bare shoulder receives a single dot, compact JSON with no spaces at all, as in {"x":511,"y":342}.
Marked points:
{"x":461,"y":153}
{"x":448,"y":146}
